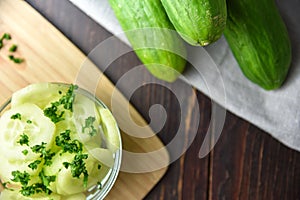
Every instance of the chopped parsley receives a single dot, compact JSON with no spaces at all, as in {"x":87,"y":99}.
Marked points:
{"x":38,"y":187}
{"x":16,"y":116}
{"x":29,"y":121}
{"x":4,"y":36}
{"x":28,"y":190}
{"x":25,"y":152}
{"x":78,"y":167}
{"x":34,"y":165}
{"x":64,"y":141}
{"x":51,"y":112}
{"x":24,"y":139}
{"x":20,"y":177}
{"x":47,"y":155}
{"x":46,"y":180}
{"x":39,"y":148}
{"x":63,"y":137}
{"x":15,"y":59}
{"x":89,"y":126}
{"x":66,"y":101}
{"x":13,"y":48}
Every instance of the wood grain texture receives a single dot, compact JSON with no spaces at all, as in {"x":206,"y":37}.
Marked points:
{"x":51,"y":57}
{"x":249,"y":164}
{"x":246,"y":163}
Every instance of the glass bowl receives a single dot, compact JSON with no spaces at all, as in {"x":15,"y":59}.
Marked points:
{"x":101,"y":189}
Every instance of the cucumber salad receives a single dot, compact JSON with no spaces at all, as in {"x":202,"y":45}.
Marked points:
{"x":57,"y":142}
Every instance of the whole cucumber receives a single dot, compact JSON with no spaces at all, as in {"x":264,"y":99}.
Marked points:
{"x":199,"y":22}
{"x":259,"y":41}
{"x":146,"y":24}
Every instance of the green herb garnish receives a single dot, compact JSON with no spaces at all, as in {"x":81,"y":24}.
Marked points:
{"x":34,"y":164}
{"x":16,"y":116}
{"x":89,"y":126}
{"x":29,"y":121}
{"x":51,"y":112}
{"x":28,"y":190}
{"x":39,"y":148}
{"x":13,"y":48}
{"x":64,"y":141}
{"x":16,"y":60}
{"x":78,"y":167}
{"x":24,"y":139}
{"x":46,"y":180}
{"x":25,"y":152}
{"x":47,"y":155}
{"x":66,"y":101}
{"x":4,"y":36}
{"x":20,"y":177}
{"x":63,"y":137}
{"x":39,"y":187}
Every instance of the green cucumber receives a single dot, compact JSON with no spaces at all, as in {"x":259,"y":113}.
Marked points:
{"x":199,"y":22}
{"x":259,"y":41}
{"x":146,"y":23}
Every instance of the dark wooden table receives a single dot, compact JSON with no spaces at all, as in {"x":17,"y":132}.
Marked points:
{"x":246,"y":162}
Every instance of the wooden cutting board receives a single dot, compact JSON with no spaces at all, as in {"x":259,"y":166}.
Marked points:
{"x":51,"y":57}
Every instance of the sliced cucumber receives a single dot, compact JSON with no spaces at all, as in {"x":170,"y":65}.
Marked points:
{"x":28,"y":104}
{"x":40,"y":94}
{"x":7,"y":167}
{"x":56,"y":166}
{"x":79,"y":196}
{"x":104,"y":156}
{"x":83,"y":109}
{"x":61,"y":127}
{"x":110,"y":129}
{"x":40,"y":129}
{"x":15,"y":195}
{"x":66,"y":184}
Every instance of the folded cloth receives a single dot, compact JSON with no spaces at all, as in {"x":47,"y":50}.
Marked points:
{"x":276,"y":112}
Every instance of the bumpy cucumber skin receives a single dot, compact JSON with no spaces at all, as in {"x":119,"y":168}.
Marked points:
{"x":259,"y":41}
{"x":140,"y":14}
{"x":199,"y":22}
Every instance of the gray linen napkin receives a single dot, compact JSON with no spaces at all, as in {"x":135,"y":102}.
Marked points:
{"x":276,"y":112}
